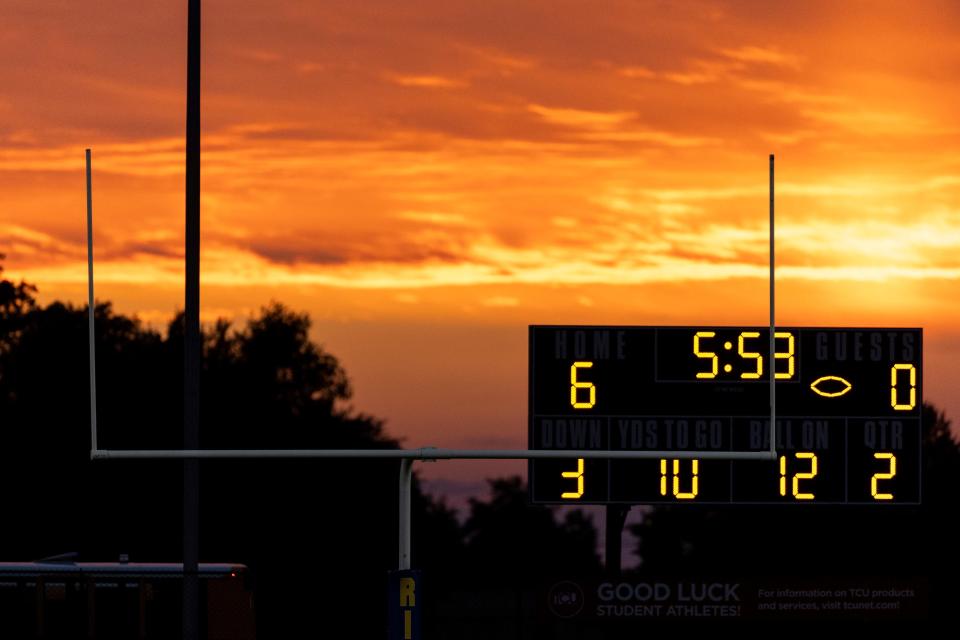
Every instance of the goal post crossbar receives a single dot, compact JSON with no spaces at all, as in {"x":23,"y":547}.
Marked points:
{"x":423,"y":453}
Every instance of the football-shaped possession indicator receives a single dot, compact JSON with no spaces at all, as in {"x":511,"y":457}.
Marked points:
{"x":830,"y":386}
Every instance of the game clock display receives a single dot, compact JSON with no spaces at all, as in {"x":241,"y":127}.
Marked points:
{"x":848,"y":402}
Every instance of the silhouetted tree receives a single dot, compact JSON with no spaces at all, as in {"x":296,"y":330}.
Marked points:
{"x":319,"y":535}
{"x":507,"y":536}
{"x":437,"y":536}
{"x":311,"y":531}
{"x":15,"y":298}
{"x":15,"y":301}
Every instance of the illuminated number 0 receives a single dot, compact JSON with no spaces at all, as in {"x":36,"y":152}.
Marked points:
{"x":705,"y":354}
{"x":694,"y":482}
{"x":578,"y":474}
{"x":576,"y":384}
{"x":883,"y":476}
{"x":893,"y":387}
{"x":797,"y":477}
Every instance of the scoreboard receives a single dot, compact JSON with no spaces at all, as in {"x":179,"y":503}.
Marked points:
{"x":847,"y":426}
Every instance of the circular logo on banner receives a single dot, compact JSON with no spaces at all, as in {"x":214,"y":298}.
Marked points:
{"x":565,"y":599}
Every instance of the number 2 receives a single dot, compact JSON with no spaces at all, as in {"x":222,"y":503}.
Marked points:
{"x":883,"y":476}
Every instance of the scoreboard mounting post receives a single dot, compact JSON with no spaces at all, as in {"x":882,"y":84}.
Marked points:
{"x":847,"y":430}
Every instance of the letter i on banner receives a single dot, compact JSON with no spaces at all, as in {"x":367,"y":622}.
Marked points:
{"x":404,"y":602}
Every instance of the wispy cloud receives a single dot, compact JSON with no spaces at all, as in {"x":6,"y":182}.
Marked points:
{"x":30,"y":245}
{"x":426,"y":81}
{"x":627,"y":146}
{"x":581,"y":118}
{"x":764,"y":55}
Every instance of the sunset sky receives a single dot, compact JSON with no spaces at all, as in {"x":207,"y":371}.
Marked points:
{"x":428,"y":178}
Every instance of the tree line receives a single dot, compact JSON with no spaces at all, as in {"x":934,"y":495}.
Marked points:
{"x":320,"y":536}
{"x":311,"y":531}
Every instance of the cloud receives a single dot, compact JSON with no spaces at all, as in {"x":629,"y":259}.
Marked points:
{"x":312,"y":250}
{"x":565,"y":145}
{"x":500,"y":301}
{"x":637,"y":72}
{"x":155,"y":157}
{"x":504,"y":63}
{"x":426,"y":81}
{"x":579,"y":118}
{"x":824,"y":252}
{"x":434,"y":217}
{"x":29,"y":245}
{"x":763,"y":55}
{"x":617,"y":126}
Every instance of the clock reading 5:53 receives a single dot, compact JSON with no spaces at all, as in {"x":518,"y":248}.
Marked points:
{"x":743,"y":355}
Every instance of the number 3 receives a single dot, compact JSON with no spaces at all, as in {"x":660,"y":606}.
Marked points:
{"x":578,"y":474}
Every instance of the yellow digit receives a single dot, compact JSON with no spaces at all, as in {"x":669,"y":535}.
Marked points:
{"x":577,"y":384}
{"x":578,"y":474}
{"x":783,"y":475}
{"x":893,"y":387}
{"x":714,"y":364}
{"x":750,"y":375}
{"x":797,"y":477}
{"x":883,"y":476}
{"x":788,"y":356}
{"x":694,"y":483}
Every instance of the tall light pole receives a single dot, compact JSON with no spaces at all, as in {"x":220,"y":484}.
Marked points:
{"x":191,"y":341}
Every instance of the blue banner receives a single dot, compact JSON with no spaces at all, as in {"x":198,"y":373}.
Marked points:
{"x":404,"y":604}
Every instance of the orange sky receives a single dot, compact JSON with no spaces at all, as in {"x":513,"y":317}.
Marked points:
{"x":428,"y":178}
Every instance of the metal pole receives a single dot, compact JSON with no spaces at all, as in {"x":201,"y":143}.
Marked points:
{"x":616,"y":515}
{"x":93,"y":351}
{"x":424,"y":453}
{"x":772,"y":361}
{"x":191,"y":343}
{"x":406,"y":481}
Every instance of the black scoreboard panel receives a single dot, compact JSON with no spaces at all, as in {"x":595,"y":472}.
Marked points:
{"x":847,"y":426}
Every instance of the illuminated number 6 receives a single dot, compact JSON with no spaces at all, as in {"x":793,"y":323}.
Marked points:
{"x":578,"y":474}
{"x":576,"y":384}
{"x":694,"y":481}
{"x":893,"y":387}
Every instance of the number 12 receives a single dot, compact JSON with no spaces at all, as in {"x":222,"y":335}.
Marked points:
{"x":797,"y":477}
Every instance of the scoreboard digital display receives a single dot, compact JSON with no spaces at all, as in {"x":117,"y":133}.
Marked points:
{"x":847,"y":427}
